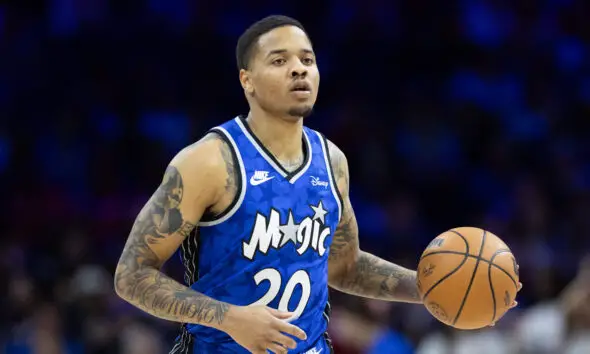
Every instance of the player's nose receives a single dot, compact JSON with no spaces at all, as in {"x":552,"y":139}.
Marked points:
{"x":298,"y":69}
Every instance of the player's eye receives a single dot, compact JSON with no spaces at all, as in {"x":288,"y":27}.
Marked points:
{"x":279,"y":61}
{"x":308,"y":61}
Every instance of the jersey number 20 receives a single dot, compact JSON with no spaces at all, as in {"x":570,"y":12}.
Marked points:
{"x":273,"y":276}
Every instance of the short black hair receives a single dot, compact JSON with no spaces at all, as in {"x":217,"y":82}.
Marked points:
{"x":248,"y":39}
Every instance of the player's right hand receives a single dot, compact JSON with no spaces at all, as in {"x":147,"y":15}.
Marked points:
{"x":261,"y":328}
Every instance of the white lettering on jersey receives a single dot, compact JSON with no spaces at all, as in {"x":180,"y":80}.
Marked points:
{"x":268,"y":232}
{"x":265,"y":232}
{"x":315,"y":181}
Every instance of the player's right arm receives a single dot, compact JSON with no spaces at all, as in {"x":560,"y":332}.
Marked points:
{"x":161,"y":226}
{"x":196,"y":180}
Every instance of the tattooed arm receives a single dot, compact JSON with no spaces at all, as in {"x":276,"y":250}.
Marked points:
{"x":192,"y":183}
{"x":201,"y":177}
{"x":356,"y":272}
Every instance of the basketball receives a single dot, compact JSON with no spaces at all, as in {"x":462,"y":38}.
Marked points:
{"x":467,"y":278}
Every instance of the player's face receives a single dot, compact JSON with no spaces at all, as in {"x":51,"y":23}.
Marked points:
{"x":283,"y":73}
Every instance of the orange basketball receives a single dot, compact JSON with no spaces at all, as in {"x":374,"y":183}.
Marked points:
{"x":468,"y":278}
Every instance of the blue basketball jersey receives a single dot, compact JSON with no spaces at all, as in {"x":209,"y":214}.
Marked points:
{"x":271,"y":246}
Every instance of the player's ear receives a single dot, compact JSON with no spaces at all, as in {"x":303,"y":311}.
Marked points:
{"x":246,"y":81}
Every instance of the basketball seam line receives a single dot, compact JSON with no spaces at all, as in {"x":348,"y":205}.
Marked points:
{"x":492,"y":288}
{"x":474,"y":256}
{"x":454,"y":270}
{"x":483,"y":242}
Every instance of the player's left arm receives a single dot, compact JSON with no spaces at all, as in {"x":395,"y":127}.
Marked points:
{"x":353,"y":271}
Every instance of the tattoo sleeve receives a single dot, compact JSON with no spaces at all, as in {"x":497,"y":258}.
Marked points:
{"x":138,"y":278}
{"x":376,"y":278}
{"x":354,"y":271}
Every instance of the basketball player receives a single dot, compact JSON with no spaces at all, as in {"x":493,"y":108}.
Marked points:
{"x":260,"y":210}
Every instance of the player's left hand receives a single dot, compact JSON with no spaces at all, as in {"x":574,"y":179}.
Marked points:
{"x":514,"y":303}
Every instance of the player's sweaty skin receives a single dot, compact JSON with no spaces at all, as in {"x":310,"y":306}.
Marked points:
{"x":354,"y":271}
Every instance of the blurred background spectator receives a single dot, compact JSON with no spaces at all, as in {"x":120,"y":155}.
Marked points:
{"x":458,"y":112}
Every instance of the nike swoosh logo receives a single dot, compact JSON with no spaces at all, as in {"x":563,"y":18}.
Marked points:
{"x":255,"y":182}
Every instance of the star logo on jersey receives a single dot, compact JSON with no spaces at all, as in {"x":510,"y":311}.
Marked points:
{"x":309,"y":233}
{"x":320,"y":212}
{"x":260,"y":177}
{"x":289,"y":231}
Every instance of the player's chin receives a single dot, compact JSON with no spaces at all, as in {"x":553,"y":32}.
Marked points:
{"x":301,"y":110}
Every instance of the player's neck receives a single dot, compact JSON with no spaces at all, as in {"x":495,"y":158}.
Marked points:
{"x":280,"y":136}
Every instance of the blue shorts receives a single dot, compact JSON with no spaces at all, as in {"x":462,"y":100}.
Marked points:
{"x":187,"y":344}
{"x":322,"y":345}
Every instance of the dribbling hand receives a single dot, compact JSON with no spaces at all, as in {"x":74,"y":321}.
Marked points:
{"x":261,"y":328}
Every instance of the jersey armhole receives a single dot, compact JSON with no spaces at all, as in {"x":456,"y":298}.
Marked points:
{"x":211,"y":220}
{"x":333,"y":185}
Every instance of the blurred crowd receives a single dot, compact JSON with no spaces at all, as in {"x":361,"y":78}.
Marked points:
{"x":451,"y":113}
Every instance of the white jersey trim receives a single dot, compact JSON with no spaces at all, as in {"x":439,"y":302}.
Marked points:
{"x":259,"y":149}
{"x":243,"y":186}
{"x":306,"y":167}
{"x":281,"y":171}
{"x":333,"y":185}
